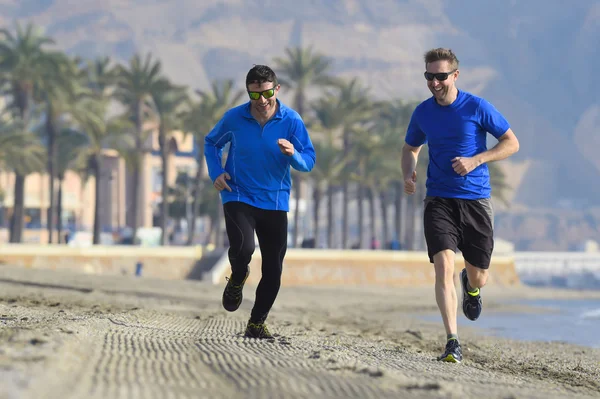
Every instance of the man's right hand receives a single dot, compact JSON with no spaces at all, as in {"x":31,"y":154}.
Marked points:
{"x":410,"y":184}
{"x":221,"y":183}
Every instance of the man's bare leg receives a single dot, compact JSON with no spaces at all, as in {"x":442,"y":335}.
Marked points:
{"x":477,"y":276}
{"x":445,"y":291}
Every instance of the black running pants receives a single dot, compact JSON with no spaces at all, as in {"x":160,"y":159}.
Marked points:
{"x":241,"y":221}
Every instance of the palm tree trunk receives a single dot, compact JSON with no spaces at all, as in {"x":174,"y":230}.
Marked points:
{"x":198,"y":188}
{"x":164,"y":205}
{"x":209,"y":233}
{"x":134,"y":205}
{"x":16,"y":221}
{"x":24,"y":94}
{"x":97,"y":168}
{"x":418,"y":217}
{"x":59,"y":209}
{"x":361,"y":216}
{"x":412,"y":215}
{"x":361,"y":199}
{"x":408,"y":223}
{"x":50,"y":132}
{"x":316,"y":206}
{"x":345,"y":201}
{"x":371,"y":198}
{"x":398,"y":210}
{"x":384,"y":219}
{"x":296,"y":210}
{"x":137,"y":171}
{"x":330,"y":223}
{"x":299,"y":101}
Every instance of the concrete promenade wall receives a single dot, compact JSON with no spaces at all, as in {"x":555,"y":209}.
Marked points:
{"x":167,"y":263}
{"x":302,"y":266}
{"x":376,"y":268}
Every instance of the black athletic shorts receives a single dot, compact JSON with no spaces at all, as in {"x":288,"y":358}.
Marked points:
{"x":467,"y":225}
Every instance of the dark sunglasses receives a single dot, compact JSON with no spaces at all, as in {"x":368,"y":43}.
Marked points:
{"x":439,"y":76}
{"x":255,"y":95}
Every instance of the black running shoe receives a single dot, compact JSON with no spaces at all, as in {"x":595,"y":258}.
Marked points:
{"x":453,"y":352}
{"x":471,"y":303}
{"x":232,"y":296}
{"x":257,"y":330}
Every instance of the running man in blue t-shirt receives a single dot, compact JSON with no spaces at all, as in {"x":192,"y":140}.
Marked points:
{"x":266,"y":138}
{"x":458,"y":211}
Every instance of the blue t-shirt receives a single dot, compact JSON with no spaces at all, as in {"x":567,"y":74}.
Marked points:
{"x":456,"y":130}
{"x":260,"y":172}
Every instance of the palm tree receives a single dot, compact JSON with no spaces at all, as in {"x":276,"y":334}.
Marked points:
{"x":99,"y":76}
{"x":11,"y":134}
{"x":330,"y":116}
{"x":200,"y":119}
{"x":383,"y":171}
{"x":21,"y":151}
{"x":363,"y":151}
{"x":91,"y":121}
{"x":135,"y":85}
{"x":57,"y":92}
{"x":341,"y":112}
{"x":328,"y":170}
{"x":168,"y":100}
{"x":69,"y":145}
{"x":355,"y":105}
{"x":393,"y":118}
{"x":301,"y":69}
{"x":24,"y":64}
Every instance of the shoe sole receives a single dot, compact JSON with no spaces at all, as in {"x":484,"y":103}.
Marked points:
{"x":465,"y":295}
{"x":450,"y":359}
{"x":263,"y":338}
{"x":232,"y":309}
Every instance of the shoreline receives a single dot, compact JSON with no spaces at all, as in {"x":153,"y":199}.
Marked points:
{"x":536,"y":320}
{"x":75,"y":335}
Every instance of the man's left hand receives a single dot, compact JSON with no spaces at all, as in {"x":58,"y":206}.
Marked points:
{"x":464,"y":165}
{"x":286,"y":147}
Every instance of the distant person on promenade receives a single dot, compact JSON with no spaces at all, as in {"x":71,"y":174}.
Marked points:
{"x":458,"y":211}
{"x":266,"y":138}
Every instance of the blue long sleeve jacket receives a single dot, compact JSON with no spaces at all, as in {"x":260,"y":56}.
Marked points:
{"x":260,"y":172}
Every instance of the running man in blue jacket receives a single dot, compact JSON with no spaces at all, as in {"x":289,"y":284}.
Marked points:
{"x":266,"y":138}
{"x":458,"y":211}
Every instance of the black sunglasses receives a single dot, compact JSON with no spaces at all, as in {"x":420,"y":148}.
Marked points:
{"x":439,"y":76}
{"x":255,"y":95}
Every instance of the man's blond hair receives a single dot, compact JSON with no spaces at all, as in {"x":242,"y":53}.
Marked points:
{"x":441,"y":54}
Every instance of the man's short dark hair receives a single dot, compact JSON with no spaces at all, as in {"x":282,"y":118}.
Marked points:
{"x":441,"y":54}
{"x":260,"y":74}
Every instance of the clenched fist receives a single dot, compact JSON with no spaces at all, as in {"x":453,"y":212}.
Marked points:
{"x":464,"y":165}
{"x":286,"y":147}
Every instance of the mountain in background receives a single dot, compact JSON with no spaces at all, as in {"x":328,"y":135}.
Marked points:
{"x":534,"y":60}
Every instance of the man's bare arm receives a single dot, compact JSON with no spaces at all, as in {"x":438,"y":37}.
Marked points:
{"x":508,"y":144}
{"x":410,"y":155}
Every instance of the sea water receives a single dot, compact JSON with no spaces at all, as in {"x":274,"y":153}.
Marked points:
{"x":569,"y":320}
{"x":574,"y":321}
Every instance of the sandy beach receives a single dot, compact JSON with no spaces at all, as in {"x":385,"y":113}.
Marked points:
{"x":68,"y":335}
